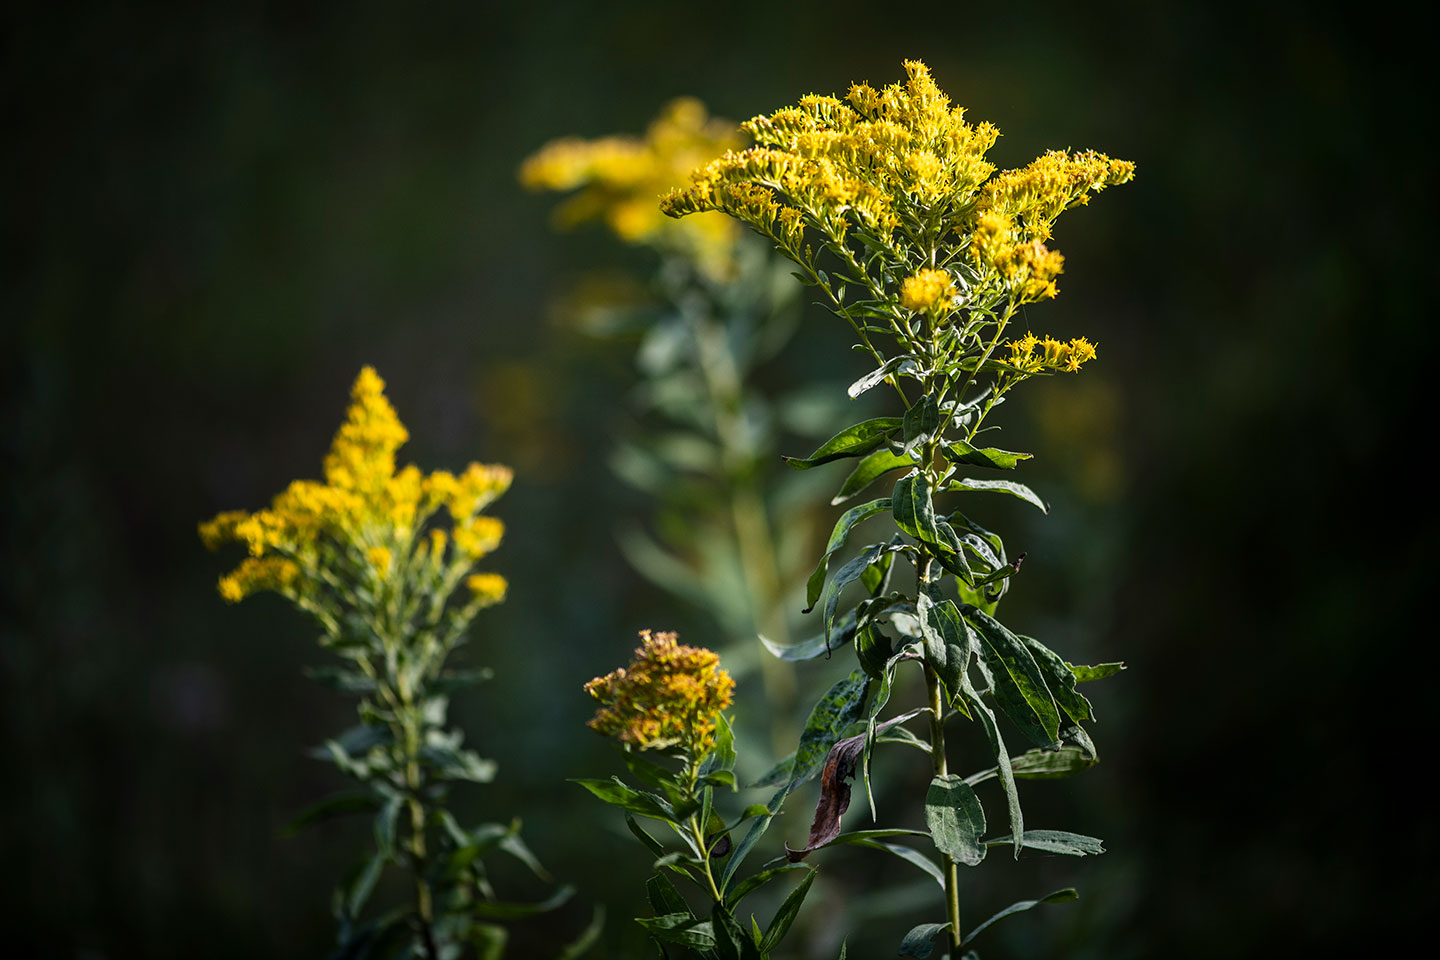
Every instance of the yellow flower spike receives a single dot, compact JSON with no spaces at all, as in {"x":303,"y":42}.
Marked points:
{"x":478,"y":537}
{"x":670,"y":696}
{"x":928,"y":291}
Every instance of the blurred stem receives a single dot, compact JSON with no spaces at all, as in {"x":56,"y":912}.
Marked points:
{"x":754,"y":540}
{"x":410,"y":730}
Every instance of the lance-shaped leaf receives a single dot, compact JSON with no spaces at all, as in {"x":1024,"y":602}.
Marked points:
{"x":908,"y":854}
{"x":1000,"y":486}
{"x":818,"y":645}
{"x":843,"y":526}
{"x":750,"y":884}
{"x":853,"y":441}
{"x":842,"y":705}
{"x":785,"y":916}
{"x":1059,"y":896}
{"x":616,"y":794}
{"x":920,"y":423}
{"x":903,"y":365}
{"x":731,"y":942}
{"x":848,"y":573}
{"x":681,"y":928}
{"x":867,"y":471}
{"x":1100,"y":671}
{"x":914,"y":513}
{"x":956,"y":819}
{"x":947,"y":643}
{"x":961,"y":452}
{"x":1060,"y":680}
{"x":1051,"y":764}
{"x":1056,"y":841}
{"x":752,"y":836}
{"x":1003,"y":766}
{"x":1019,"y":685}
{"x":497,"y":910}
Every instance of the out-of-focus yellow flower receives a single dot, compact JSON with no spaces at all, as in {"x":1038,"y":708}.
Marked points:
{"x":315,"y":534}
{"x":669,"y":696}
{"x":487,"y":588}
{"x":620,"y":180}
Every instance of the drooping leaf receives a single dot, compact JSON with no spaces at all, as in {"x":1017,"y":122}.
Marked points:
{"x":1098,"y":672}
{"x":848,"y":573}
{"x":810,"y":648}
{"x":903,"y":364}
{"x":848,"y":520}
{"x":853,"y":441}
{"x":842,"y":705}
{"x":919,"y":941}
{"x":1059,"y":896}
{"x":908,"y":854}
{"x":1051,"y":764}
{"x":752,"y":836}
{"x":1020,"y":687}
{"x":1056,"y":841}
{"x":961,"y":452}
{"x":588,"y":937}
{"x":498,"y":910}
{"x":1060,"y":680}
{"x":867,"y":471}
{"x":956,"y":819}
{"x":1003,"y":765}
{"x":752,"y":883}
{"x":1000,"y":486}
{"x":643,"y":836}
{"x":336,"y":805}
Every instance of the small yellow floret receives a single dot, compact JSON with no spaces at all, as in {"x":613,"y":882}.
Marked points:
{"x":488,"y":588}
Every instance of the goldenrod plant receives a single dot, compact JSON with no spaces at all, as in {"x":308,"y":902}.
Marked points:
{"x":385,"y":562}
{"x":718,"y":308}
{"x":669,"y":702}
{"x":885,"y":201}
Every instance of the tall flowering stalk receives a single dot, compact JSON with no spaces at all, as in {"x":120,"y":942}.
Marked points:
{"x":719,"y":307}
{"x":886,"y":202}
{"x":385,"y":561}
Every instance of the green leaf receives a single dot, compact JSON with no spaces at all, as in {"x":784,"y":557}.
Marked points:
{"x":664,"y":898}
{"x":336,"y":805}
{"x":616,"y":794}
{"x":908,"y":854}
{"x":651,"y":844}
{"x":853,"y":441}
{"x":365,"y":883}
{"x":904,"y":365}
{"x":947,"y":642}
{"x":918,"y":942}
{"x":1060,"y":680}
{"x":867,"y":471}
{"x":355,"y":742}
{"x":1059,"y":896}
{"x":680,"y":928}
{"x":752,"y":836}
{"x":961,"y":452}
{"x":588,"y":937}
{"x":497,"y":910}
{"x":785,"y":916}
{"x":780,"y":773}
{"x":848,"y":573}
{"x":914,"y":513}
{"x":731,"y":942}
{"x":920,"y":423}
{"x":1098,"y":672}
{"x":1056,"y":841}
{"x":752,"y":883}
{"x":842,"y":705}
{"x":843,"y":526}
{"x":1003,"y":765}
{"x":384,"y":825}
{"x":513,"y":845}
{"x":956,"y":819}
{"x":1020,"y":687}
{"x":812,"y":647}
{"x":1000,"y":486}
{"x":722,"y":757}
{"x":1051,"y":764}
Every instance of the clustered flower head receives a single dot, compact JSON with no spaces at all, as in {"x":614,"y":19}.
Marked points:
{"x":619,"y":179}
{"x":900,"y":166}
{"x":669,"y":696}
{"x":363,"y":523}
{"x":1030,"y":354}
{"x":928,"y":291}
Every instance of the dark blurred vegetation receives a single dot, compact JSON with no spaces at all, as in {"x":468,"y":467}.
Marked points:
{"x":215,"y":213}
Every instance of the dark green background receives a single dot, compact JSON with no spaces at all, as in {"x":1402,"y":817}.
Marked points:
{"x":214,"y":214}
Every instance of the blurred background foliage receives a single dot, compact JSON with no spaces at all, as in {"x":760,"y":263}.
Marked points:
{"x":217,"y":213}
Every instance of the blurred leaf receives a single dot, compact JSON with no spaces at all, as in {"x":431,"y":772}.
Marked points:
{"x":853,"y":441}
{"x":1059,"y":896}
{"x":336,"y":805}
{"x":956,"y":819}
{"x":341,"y":679}
{"x":731,"y":942}
{"x":496,"y":910}
{"x":588,"y":937}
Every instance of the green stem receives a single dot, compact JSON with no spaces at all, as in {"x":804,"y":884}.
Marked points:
{"x":424,"y":899}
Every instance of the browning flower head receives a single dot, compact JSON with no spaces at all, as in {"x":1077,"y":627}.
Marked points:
{"x":669,"y":696}
{"x":619,"y":180}
{"x":365,"y":515}
{"x":928,"y":291}
{"x":1031,"y":354}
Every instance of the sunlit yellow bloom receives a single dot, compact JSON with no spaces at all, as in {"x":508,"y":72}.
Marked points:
{"x":487,"y":588}
{"x":1033,"y":355}
{"x":930,"y":291}
{"x":364,"y":514}
{"x":669,"y":696}
{"x":620,"y":179}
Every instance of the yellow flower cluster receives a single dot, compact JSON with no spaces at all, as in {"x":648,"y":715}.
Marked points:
{"x":899,"y":159}
{"x":364,"y":516}
{"x":928,"y":291}
{"x":669,"y":696}
{"x":621,"y":178}
{"x":1033,"y":355}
